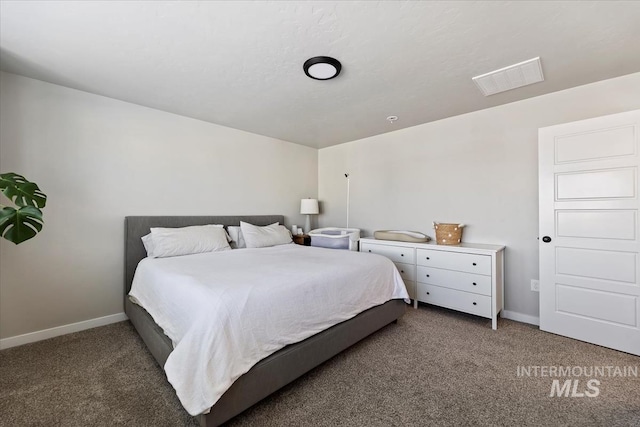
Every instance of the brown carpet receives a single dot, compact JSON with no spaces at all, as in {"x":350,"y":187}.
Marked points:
{"x":435,"y":367}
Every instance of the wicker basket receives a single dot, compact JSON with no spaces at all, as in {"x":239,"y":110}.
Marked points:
{"x":448,"y":234}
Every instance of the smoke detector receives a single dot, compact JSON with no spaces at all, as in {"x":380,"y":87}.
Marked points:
{"x":511,"y":77}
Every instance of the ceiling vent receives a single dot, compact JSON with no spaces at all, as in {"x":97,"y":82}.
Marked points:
{"x":511,"y":77}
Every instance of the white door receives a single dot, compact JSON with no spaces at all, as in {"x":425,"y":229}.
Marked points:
{"x":589,"y":247}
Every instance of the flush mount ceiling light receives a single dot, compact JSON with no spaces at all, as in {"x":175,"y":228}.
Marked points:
{"x":322,"y":67}
{"x":511,"y":77}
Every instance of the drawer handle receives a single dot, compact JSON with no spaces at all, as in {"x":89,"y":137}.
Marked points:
{"x":474,"y":283}
{"x":474,"y":263}
{"x":428,"y":258}
{"x":428,"y":275}
{"x":428,"y":294}
{"x":401,"y":271}
{"x":369,"y":250}
{"x":401,"y":254}
{"x":474,"y":303}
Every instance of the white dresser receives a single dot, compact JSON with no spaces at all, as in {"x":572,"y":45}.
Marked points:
{"x":467,"y":277}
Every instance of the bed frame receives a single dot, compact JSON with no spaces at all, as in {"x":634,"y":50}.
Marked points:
{"x":271,"y":373}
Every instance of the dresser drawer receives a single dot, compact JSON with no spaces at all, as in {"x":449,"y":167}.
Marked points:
{"x":470,"y":263}
{"x":407,"y":271}
{"x":461,"y":281}
{"x":401,"y":254}
{"x":411,"y":288}
{"x":480,"y":305}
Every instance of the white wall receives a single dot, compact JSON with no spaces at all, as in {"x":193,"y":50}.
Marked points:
{"x":479,"y":168}
{"x":99,"y":160}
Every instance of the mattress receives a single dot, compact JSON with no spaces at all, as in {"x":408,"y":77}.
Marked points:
{"x":225,"y":311}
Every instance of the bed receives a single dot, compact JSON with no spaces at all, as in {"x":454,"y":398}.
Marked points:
{"x":272,"y":372}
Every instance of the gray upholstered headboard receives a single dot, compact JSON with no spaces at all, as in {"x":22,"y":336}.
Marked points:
{"x":137,"y":226}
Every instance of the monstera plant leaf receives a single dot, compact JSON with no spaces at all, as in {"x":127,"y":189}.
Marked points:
{"x":18,"y":225}
{"x":22,"y":192}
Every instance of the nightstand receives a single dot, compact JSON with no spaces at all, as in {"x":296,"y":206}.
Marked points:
{"x":302,"y":239}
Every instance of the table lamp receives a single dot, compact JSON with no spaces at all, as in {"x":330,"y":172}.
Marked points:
{"x":308,"y":207}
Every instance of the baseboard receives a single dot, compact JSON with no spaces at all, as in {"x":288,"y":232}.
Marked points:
{"x":519,"y":317}
{"x":60,"y":330}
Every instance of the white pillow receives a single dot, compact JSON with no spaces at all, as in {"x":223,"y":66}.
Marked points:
{"x":260,"y":237}
{"x":237,"y":240}
{"x":194,"y":227}
{"x":190,"y":228}
{"x":167,"y":242}
{"x":147,"y":241}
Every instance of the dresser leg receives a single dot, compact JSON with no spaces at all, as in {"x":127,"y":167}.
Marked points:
{"x":415,"y":303}
{"x":494,"y":323}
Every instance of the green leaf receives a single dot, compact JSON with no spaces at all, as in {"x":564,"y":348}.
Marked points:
{"x":22,"y":192}
{"x":21,"y":224}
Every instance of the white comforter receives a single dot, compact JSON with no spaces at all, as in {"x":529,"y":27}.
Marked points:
{"x":226,"y":311}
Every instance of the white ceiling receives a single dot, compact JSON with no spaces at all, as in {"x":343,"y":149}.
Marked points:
{"x":239,"y":64}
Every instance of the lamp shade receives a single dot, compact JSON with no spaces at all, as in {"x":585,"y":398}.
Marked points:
{"x":309,"y":207}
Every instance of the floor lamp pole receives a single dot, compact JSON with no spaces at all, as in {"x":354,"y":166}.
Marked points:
{"x":348,"y":198}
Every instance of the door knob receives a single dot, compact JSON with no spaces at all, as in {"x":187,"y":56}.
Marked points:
{"x":546,"y":239}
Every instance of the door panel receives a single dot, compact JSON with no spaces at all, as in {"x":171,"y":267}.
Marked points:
{"x":596,"y":224}
{"x":608,"y":265}
{"x":603,"y":184}
{"x":588,"y":181}
{"x":589,"y":145}
{"x":597,"y":305}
